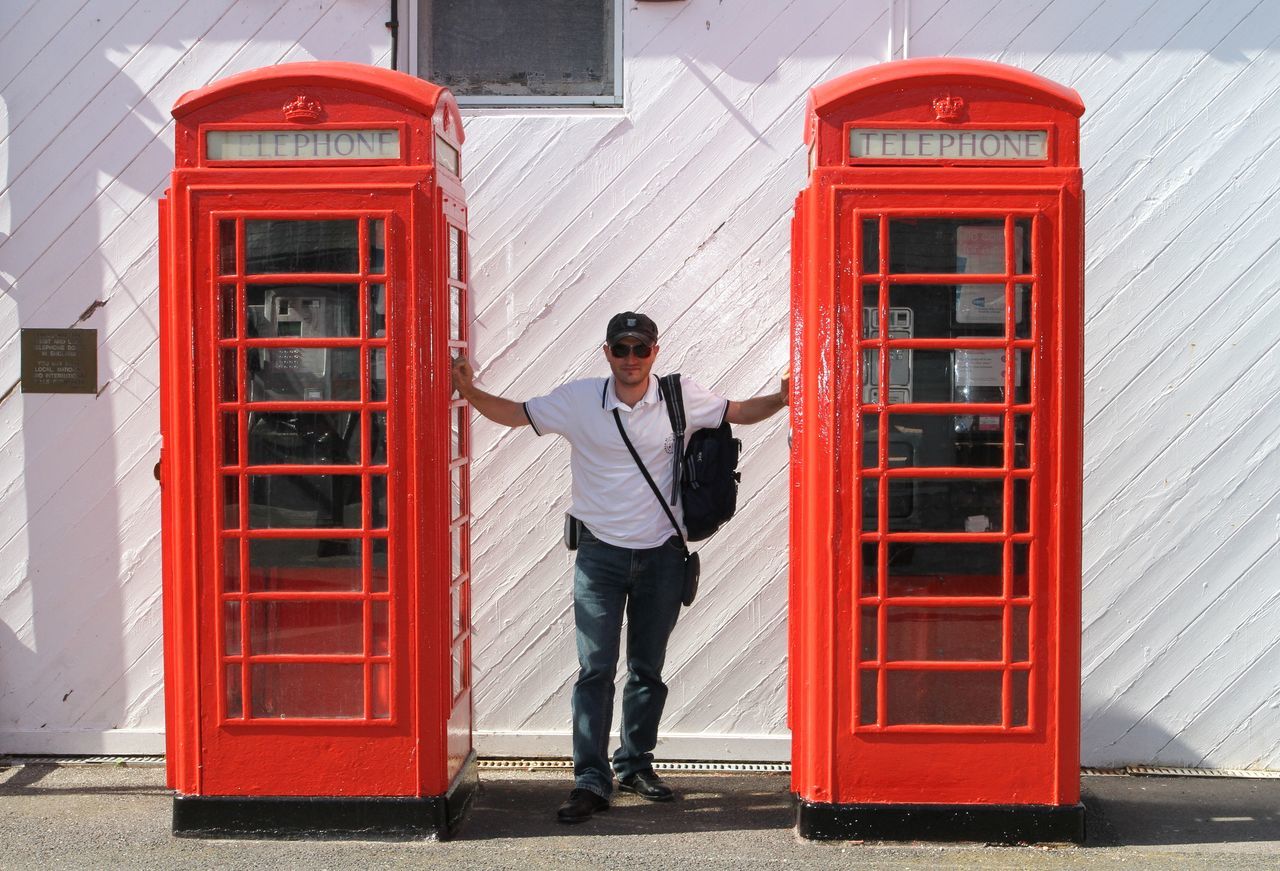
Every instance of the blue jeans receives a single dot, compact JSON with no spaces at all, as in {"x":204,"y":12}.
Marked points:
{"x":609,"y":581}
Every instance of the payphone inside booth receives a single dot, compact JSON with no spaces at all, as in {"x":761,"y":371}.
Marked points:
{"x":936,"y":467}
{"x":315,"y":464}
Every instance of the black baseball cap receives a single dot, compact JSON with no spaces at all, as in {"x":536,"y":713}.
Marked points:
{"x":631,"y":325}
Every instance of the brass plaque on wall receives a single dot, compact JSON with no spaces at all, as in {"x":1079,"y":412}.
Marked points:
{"x":59,"y":361}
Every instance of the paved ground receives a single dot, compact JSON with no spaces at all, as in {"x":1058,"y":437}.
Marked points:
{"x":109,"y":816}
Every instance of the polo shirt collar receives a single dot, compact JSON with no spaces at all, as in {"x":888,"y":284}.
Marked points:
{"x":610,"y":401}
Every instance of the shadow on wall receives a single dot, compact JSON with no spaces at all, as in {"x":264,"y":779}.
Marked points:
{"x":70,"y":488}
{"x":1112,"y":736}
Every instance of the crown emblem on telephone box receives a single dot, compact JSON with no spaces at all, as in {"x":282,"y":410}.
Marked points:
{"x":302,"y":109}
{"x":948,"y":108}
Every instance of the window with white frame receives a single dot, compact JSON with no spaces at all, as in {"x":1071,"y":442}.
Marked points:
{"x":522,"y":52}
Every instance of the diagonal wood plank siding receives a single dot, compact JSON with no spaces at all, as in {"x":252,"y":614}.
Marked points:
{"x":679,"y":205}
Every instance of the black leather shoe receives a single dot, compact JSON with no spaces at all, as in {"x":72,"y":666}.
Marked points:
{"x":648,"y":785}
{"x":581,"y":804}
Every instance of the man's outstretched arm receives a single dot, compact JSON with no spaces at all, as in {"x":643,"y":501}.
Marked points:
{"x":761,"y":407}
{"x":497,"y":409}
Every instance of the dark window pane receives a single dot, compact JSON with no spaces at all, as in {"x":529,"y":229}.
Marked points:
{"x":950,"y":311}
{"x":291,"y":437}
{"x":1023,"y":314}
{"x":951,"y":505}
{"x":518,"y":48}
{"x":304,"y":565}
{"x":946,"y":569}
{"x":231,"y":564}
{"x":304,"y":502}
{"x":1021,"y":505}
{"x":230,"y":502}
{"x":306,"y":374}
{"x":971,"y":246}
{"x":870,"y":567}
{"x":933,"y":440}
{"x":870,"y":311}
{"x":229,"y":376}
{"x":377,"y":375}
{"x":1022,"y":245}
{"x":227,"y":310}
{"x":309,"y":311}
{"x":378,"y":576}
{"x":378,"y":439}
{"x":870,"y":246}
{"x":1021,"y":569}
{"x":227,"y":247}
{"x":377,"y":246}
{"x":965,"y":375}
{"x":231,"y":440}
{"x":378,"y":493}
{"x":301,"y":246}
{"x":377,"y":310}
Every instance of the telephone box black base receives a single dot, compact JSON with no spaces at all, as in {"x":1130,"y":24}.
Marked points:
{"x":376,"y":818}
{"x":988,"y":824}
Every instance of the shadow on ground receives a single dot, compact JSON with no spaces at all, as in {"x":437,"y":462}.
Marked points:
{"x":526,"y":809}
{"x":28,"y":780}
{"x":1170,"y":811}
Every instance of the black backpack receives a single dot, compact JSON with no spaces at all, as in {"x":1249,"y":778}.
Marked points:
{"x":706,"y":477}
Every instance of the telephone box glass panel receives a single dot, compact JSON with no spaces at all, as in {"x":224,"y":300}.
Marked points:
{"x":274,"y":247}
{"x":301,"y":495}
{"x":953,"y":402}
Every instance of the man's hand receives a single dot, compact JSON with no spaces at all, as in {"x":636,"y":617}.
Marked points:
{"x":463,"y":375}
{"x":761,"y":407}
{"x":497,"y":409}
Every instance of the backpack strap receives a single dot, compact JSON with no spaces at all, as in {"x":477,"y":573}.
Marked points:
{"x":669,"y":387}
{"x":617,"y":418}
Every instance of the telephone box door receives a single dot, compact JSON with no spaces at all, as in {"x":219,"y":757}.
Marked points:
{"x":300,"y":312}
{"x":948,"y":300}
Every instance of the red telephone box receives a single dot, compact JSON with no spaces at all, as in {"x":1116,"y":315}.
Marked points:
{"x":936,"y":473}
{"x":315,"y":467}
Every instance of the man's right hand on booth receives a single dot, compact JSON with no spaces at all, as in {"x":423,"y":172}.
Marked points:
{"x":463,"y":375}
{"x":496,"y":408}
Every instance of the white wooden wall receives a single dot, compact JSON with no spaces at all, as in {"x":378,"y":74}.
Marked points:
{"x":678,"y":205}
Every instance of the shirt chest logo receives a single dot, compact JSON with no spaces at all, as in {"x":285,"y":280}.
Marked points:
{"x":670,"y":444}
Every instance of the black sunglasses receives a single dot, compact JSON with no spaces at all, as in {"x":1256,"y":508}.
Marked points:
{"x":620,"y":350}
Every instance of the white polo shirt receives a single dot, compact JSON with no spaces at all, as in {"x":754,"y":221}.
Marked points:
{"x":609,"y":494}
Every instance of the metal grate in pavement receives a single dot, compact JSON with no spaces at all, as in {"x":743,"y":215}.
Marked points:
{"x":1155,"y":771}
{"x":134,"y":761}
{"x":714,"y":767}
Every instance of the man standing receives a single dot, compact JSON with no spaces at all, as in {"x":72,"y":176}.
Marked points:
{"x":629,"y":559}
